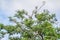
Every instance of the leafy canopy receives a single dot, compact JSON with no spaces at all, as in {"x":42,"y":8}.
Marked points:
{"x":37,"y":26}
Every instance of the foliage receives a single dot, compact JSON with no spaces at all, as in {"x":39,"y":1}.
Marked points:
{"x":40,"y":29}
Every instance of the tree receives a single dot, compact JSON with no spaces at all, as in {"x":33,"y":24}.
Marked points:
{"x":37,"y":26}
{"x":58,"y":32}
{"x":31,"y":29}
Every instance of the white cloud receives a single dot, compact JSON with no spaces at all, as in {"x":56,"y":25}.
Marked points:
{"x":10,"y":6}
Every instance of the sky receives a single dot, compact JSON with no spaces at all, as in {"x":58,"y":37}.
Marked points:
{"x":9,"y":7}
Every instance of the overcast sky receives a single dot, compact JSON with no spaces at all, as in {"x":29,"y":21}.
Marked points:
{"x":9,"y":7}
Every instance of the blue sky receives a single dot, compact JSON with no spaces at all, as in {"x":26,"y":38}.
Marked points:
{"x":9,"y":7}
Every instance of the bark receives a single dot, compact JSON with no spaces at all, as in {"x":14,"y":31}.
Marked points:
{"x":42,"y":36}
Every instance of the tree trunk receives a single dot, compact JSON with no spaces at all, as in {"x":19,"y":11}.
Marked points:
{"x":41,"y":36}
